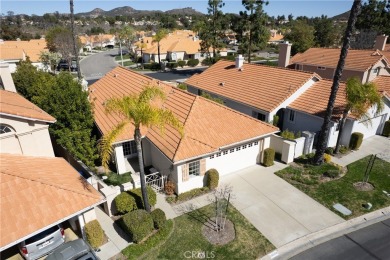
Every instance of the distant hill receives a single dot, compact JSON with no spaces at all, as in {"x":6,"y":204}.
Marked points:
{"x":129,"y":11}
{"x":343,"y":16}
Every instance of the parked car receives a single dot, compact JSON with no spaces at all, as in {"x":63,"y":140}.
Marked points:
{"x":64,"y":65}
{"x":42,"y":243}
{"x":124,"y":52}
{"x":76,"y":249}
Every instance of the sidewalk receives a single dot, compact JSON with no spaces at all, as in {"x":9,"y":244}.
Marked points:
{"x":117,"y":239}
{"x":376,"y":144}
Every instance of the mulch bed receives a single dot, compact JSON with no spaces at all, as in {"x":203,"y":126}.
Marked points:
{"x":363,"y":186}
{"x":221,"y":237}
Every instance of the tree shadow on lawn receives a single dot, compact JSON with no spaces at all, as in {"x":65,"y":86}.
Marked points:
{"x":197,"y":214}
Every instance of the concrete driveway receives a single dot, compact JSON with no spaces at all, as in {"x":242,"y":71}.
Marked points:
{"x":281,"y":212}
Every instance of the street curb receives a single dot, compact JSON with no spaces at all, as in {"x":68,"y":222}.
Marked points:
{"x":311,"y":240}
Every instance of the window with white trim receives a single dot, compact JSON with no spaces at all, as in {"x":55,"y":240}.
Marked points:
{"x":5,"y":129}
{"x":238,"y":148}
{"x":256,"y":143}
{"x":232,"y":150}
{"x":250,"y":145}
{"x":291,"y":117}
{"x":225,"y":152}
{"x":212,"y":156}
{"x":194,"y":168}
{"x":244,"y":146}
{"x":129,"y":148}
{"x":258,"y":115}
{"x":218,"y":154}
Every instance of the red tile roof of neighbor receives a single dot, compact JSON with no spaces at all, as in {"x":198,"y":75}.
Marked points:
{"x":12,"y":103}
{"x":383,"y":85}
{"x":207,"y":125}
{"x":314,"y":101}
{"x":259,"y":86}
{"x":359,"y":60}
{"x":38,"y":191}
{"x":13,"y":49}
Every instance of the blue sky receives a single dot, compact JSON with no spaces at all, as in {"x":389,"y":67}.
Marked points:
{"x":309,"y":8}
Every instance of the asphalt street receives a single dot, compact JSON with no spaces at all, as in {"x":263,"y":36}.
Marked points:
{"x":369,"y":243}
{"x":97,"y":65}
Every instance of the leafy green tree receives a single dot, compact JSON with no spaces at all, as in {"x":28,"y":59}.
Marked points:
{"x":254,"y":19}
{"x":301,"y":36}
{"x":212,"y":30}
{"x":325,"y":34}
{"x":158,"y":37}
{"x":49,"y":59}
{"x":62,"y":97}
{"x":360,"y":98}
{"x":375,"y":16}
{"x":324,"y":133}
{"x":138,"y":111}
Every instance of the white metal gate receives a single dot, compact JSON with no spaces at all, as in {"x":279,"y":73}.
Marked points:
{"x":156,"y":181}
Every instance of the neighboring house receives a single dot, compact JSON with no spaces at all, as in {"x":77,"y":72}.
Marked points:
{"x":37,"y":190}
{"x":12,"y":52}
{"x":275,"y":37}
{"x":101,"y":40}
{"x":178,"y":45}
{"x":37,"y":193}
{"x":256,"y":90}
{"x":364,"y":64}
{"x":215,"y":136}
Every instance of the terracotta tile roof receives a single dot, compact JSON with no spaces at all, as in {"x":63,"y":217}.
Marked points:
{"x":314,"y":101}
{"x":386,"y":51}
{"x":37,"y":192}
{"x":207,"y":125}
{"x":31,"y":48}
{"x":7,"y":53}
{"x":12,"y":103}
{"x":360,"y":60}
{"x":259,"y":86}
{"x":383,"y":85}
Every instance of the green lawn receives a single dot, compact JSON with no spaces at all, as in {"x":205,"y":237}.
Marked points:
{"x":125,"y":57}
{"x":187,"y":237}
{"x":342,"y":190}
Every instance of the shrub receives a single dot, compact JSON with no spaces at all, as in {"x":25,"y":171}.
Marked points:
{"x":125,"y":203}
{"x":386,"y":129}
{"x":137,"y":194}
{"x":181,"y":63}
{"x":275,"y":120}
{"x":332,"y":173}
{"x":152,"y":66}
{"x":159,"y":218}
{"x":327,"y":158}
{"x":172,"y":65}
{"x":193,"y":62}
{"x":356,"y":140}
{"x":138,"y":224}
{"x":207,"y":62}
{"x":343,"y":149}
{"x":329,"y":150}
{"x":182,"y":86}
{"x":94,"y":233}
{"x":191,"y":194}
{"x":169,"y":187}
{"x":212,"y":178}
{"x":269,"y":156}
{"x":290,"y":135}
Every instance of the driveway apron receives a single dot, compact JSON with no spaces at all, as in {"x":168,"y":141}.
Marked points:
{"x":281,"y":212}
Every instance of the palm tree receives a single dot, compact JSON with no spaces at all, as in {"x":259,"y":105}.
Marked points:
{"x":323,"y":136}
{"x":137,"y":110}
{"x":142,"y":46}
{"x":161,"y":34}
{"x":360,"y":98}
{"x":75,"y":50}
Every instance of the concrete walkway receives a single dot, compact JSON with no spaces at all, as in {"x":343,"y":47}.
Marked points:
{"x":376,"y":144}
{"x":117,"y":238}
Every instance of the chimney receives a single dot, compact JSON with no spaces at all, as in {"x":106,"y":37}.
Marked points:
{"x":239,"y":61}
{"x":380,"y":42}
{"x":6,"y":78}
{"x":284,"y":54}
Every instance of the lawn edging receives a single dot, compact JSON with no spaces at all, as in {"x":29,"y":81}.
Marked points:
{"x":314,"y":239}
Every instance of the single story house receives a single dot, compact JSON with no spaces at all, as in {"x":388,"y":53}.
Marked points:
{"x":215,"y":136}
{"x":364,"y":64}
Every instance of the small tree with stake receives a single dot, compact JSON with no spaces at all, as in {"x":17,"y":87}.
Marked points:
{"x":221,"y":197}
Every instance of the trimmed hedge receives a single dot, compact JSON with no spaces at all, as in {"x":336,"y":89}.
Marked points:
{"x":356,"y":140}
{"x":332,"y":173}
{"x":152,"y":66}
{"x":137,"y":194}
{"x":138,"y":224}
{"x":269,"y":157}
{"x":193,"y":62}
{"x":386,"y":129}
{"x":159,"y":218}
{"x":212,"y":179}
{"x":172,"y":65}
{"x":134,"y":251}
{"x":125,"y":203}
{"x":181,"y":63}
{"x":94,"y":233}
{"x":329,"y":150}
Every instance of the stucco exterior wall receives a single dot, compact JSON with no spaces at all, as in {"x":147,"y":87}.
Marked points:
{"x":159,"y":161}
{"x":30,"y":137}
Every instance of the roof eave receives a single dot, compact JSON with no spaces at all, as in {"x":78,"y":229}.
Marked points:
{"x":28,"y":118}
